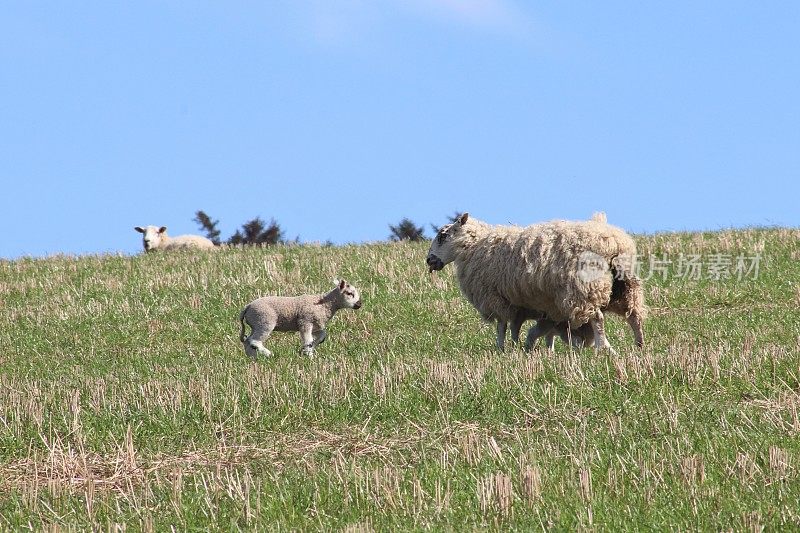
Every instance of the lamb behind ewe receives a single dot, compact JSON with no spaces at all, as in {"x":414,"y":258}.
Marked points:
{"x":569,"y":271}
{"x":305,"y":314}
{"x":156,"y":238}
{"x":577,"y":338}
{"x":627,"y":300}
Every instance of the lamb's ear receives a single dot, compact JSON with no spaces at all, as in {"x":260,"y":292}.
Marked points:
{"x":463,"y":218}
{"x":162,"y":229}
{"x":139,"y":229}
{"x":342,"y":284}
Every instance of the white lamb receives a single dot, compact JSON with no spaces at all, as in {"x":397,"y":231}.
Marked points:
{"x":570,"y":272}
{"x":306,"y":314}
{"x":156,"y":238}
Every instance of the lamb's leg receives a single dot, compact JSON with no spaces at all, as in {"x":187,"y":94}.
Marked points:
{"x":585,"y":335}
{"x":542,"y":328}
{"x":502,"y":326}
{"x":598,"y":326}
{"x":306,"y":340}
{"x":319,"y":337}
{"x":635,"y":322}
{"x":550,"y":340}
{"x":254,"y":344}
{"x":576,"y":339}
{"x":571,"y":337}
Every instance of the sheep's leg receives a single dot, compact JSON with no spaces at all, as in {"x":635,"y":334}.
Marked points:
{"x":635,"y":322}
{"x":598,"y":327}
{"x":306,"y":340}
{"x":319,"y":337}
{"x":542,"y":328}
{"x":516,"y":326}
{"x":502,"y":326}
{"x":254,"y":344}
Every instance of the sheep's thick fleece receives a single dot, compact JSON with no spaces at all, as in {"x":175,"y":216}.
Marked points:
{"x":182,"y":242}
{"x":503,"y":268}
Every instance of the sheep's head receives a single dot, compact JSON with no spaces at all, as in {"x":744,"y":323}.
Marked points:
{"x":152,"y":236}
{"x":348,"y":294}
{"x":441,"y":251}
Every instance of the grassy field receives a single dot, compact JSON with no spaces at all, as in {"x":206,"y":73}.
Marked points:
{"x":126,"y":399}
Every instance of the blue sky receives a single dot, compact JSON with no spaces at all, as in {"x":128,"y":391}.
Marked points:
{"x":339,"y":118}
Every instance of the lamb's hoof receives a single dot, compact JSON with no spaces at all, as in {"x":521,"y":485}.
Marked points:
{"x":307,"y":352}
{"x":254,"y":350}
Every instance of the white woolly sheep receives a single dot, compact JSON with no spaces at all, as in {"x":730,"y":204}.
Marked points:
{"x":156,"y":238}
{"x":568,"y":271}
{"x":623,"y":302}
{"x":305,"y":314}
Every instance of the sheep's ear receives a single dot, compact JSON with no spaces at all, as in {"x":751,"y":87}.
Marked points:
{"x":342,"y":284}
{"x":463,"y":218}
{"x":162,"y":229}
{"x":139,"y":229}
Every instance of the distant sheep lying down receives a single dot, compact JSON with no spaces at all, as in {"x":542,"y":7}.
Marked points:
{"x":570,"y":272}
{"x":306,"y":314}
{"x":156,"y":238}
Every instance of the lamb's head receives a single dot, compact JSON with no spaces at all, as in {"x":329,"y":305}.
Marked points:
{"x":348,"y":295}
{"x":442,"y":251}
{"x":152,"y":236}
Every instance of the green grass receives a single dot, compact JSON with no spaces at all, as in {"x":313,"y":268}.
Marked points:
{"x":126,"y":398}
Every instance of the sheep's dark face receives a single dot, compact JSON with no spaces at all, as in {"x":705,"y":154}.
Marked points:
{"x":441,"y":252}
{"x":349,"y":294}
{"x":151,"y":236}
